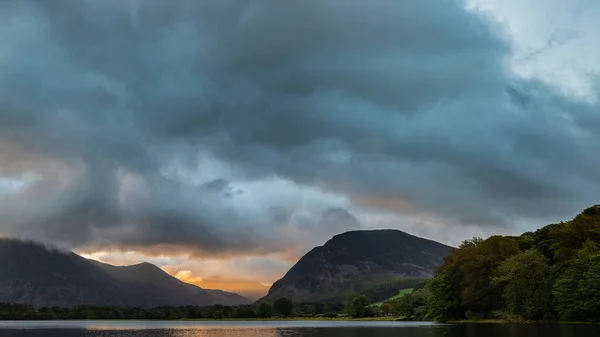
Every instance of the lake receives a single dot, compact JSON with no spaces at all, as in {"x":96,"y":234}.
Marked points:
{"x":286,"y":329}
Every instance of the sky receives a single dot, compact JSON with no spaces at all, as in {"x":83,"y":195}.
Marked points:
{"x":223,"y":139}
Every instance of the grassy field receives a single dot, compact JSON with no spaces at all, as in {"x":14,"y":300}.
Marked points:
{"x":400,"y":294}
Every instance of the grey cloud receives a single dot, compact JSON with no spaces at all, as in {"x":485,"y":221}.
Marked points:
{"x":337,"y":220}
{"x":222,"y":186}
{"x":217,"y":185}
{"x":399,"y":100}
{"x":328,"y":223}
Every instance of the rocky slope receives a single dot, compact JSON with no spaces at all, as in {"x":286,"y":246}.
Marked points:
{"x":358,"y":261}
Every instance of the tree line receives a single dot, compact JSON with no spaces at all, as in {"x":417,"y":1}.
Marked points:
{"x":550,"y":274}
{"x":357,"y":307}
{"x":282,"y":307}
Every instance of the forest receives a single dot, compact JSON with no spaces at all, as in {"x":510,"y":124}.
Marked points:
{"x":547,"y":275}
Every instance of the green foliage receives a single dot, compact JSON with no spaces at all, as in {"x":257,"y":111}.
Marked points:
{"x":283,"y":306}
{"x":445,"y":295}
{"x":577,"y":291}
{"x":552,"y":271}
{"x":415,"y":306}
{"x":265,"y":310}
{"x":401,"y":307}
{"x":464,"y":282}
{"x":589,"y":291}
{"x":386,"y":308}
{"x":476,"y":263}
{"x":330,"y":314}
{"x":527,"y":285}
{"x":359,"y":307}
{"x":400,"y":294}
{"x":566,"y":238}
{"x":382,"y":291}
{"x":419,"y":304}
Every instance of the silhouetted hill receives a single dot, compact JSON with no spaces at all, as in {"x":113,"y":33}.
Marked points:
{"x":32,"y":274}
{"x":359,"y":261}
{"x":157,"y":287}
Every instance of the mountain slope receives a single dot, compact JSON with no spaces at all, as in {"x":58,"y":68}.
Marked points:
{"x":32,"y":274}
{"x":357,"y":261}
{"x":155,"y":287}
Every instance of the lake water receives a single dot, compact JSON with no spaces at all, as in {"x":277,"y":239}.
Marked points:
{"x":286,"y":329}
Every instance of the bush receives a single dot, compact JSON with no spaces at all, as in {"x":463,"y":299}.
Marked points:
{"x":330,"y":314}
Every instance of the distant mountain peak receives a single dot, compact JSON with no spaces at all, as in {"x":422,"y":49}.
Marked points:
{"x":351,"y":260}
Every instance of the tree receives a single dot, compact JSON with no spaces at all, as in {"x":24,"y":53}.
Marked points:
{"x":589,"y":291}
{"x":527,"y":284}
{"x":567,"y":238}
{"x":476,"y":264}
{"x":463,"y":284}
{"x":265,"y":310}
{"x":577,"y":290}
{"x":283,"y":306}
{"x":415,"y":305}
{"x":419,"y":302}
{"x":401,"y":307}
{"x":244,"y":312}
{"x":217,"y":314}
{"x":444,"y":303}
{"x":386,"y":308}
{"x":359,"y":306}
{"x":304,"y":309}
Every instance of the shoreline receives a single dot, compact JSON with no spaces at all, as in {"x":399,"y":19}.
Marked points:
{"x":271,"y":319}
{"x":504,"y":321}
{"x":367,"y":319}
{"x":316,"y":319}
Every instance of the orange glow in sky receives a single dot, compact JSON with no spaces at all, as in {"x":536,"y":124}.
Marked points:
{"x":251,"y":289}
{"x":216,"y":274}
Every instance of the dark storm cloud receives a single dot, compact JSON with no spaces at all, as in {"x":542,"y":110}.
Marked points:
{"x":393,"y":100}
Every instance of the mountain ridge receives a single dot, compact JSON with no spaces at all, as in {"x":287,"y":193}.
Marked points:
{"x":38,"y":275}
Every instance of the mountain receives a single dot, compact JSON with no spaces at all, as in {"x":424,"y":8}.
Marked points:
{"x":33,"y":274}
{"x":154,"y":287}
{"x":376,"y":262}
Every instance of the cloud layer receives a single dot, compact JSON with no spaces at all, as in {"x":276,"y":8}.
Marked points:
{"x":228,"y":128}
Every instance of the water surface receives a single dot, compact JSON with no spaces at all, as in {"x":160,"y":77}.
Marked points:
{"x":286,"y":329}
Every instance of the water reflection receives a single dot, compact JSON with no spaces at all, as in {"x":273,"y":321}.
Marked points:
{"x":233,"y":332}
{"x":288,"y":329}
{"x":269,"y":332}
